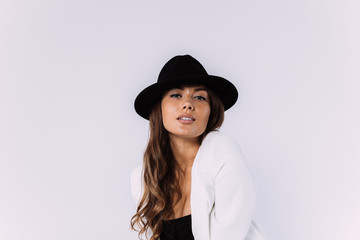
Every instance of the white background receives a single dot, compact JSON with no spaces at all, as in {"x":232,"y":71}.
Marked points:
{"x":69,"y":137}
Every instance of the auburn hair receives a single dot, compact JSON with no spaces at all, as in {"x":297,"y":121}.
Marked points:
{"x":161,"y":173}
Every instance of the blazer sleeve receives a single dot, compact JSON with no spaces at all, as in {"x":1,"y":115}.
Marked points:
{"x":234,"y":192}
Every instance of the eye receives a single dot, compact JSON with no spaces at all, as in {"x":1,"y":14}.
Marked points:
{"x":175,"y":95}
{"x":200,"y":98}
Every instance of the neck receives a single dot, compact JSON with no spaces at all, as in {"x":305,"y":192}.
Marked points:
{"x":184,"y":150}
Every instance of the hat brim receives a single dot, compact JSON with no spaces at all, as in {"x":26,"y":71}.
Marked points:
{"x":224,"y":89}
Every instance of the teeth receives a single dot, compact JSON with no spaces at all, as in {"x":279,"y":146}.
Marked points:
{"x":186,"y":118}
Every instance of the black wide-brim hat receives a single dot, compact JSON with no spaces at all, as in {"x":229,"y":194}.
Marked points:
{"x":180,"y":71}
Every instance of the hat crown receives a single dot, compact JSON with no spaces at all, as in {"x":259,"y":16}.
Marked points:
{"x":181,"y":67}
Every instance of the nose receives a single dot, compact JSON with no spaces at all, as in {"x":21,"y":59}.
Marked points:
{"x":188,"y":104}
{"x":188,"y":107}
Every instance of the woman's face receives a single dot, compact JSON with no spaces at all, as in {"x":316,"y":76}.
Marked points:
{"x":185,"y":111}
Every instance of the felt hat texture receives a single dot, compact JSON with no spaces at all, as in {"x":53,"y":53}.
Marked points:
{"x":180,"y":71}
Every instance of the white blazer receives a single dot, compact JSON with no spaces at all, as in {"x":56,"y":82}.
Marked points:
{"x":222,"y":192}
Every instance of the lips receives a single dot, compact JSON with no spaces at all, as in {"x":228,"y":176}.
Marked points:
{"x":186,"y":118}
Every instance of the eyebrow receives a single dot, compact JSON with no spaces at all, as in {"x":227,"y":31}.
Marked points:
{"x":196,"y":90}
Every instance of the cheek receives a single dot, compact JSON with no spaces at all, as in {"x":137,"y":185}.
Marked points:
{"x":206,"y":115}
{"x":165,"y":114}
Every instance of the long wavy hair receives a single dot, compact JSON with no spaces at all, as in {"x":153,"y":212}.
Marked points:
{"x":161,"y":173}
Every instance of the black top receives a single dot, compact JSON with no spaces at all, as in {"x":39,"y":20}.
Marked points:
{"x":177,"y":229}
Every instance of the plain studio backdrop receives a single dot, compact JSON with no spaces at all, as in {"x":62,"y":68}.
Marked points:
{"x":69,"y":136}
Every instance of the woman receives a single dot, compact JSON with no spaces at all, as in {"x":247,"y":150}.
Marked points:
{"x":194,"y":182}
